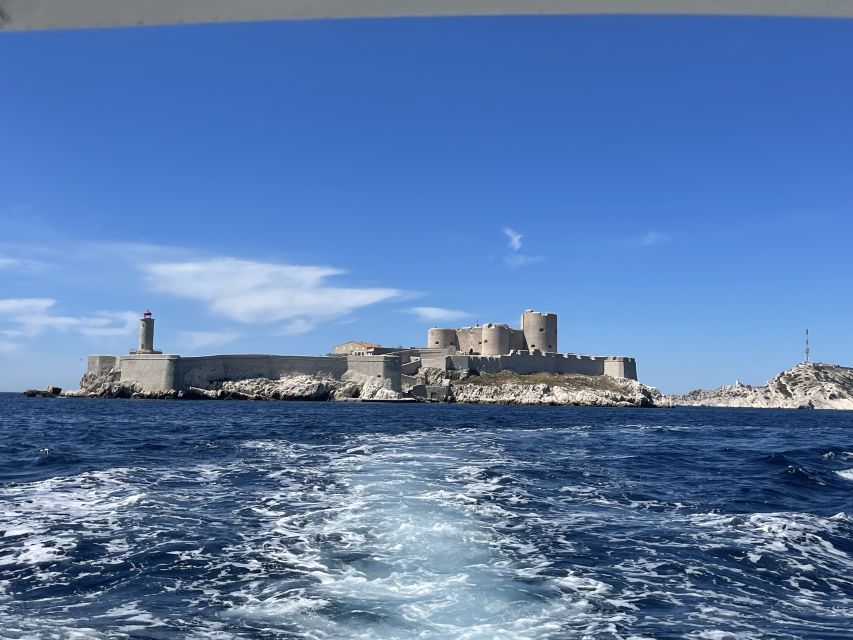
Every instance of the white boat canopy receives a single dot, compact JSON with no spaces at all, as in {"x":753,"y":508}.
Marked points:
{"x":17,"y":15}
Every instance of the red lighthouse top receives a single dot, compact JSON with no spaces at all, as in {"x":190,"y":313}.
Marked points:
{"x":147,"y":313}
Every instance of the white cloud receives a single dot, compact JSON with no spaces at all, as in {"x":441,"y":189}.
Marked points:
{"x":25,"y":306}
{"x":296,"y":327}
{"x":438,"y":314}
{"x":515,"y":259}
{"x":200,"y":339}
{"x":108,"y":323}
{"x":650,"y":239}
{"x":22,"y":264}
{"x":30,"y":317}
{"x":514,"y":238}
{"x":263,"y":292}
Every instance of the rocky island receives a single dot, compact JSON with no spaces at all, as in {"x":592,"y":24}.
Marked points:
{"x":491,"y":363}
{"x":484,"y":364}
{"x":806,"y":386}
{"x":430,"y":385}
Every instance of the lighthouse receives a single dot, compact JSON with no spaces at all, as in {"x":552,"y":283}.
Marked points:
{"x":146,"y":335}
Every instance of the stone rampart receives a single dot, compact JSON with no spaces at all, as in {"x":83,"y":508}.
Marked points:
{"x":205,"y":371}
{"x":526,"y":363}
{"x":101,"y":364}
{"x":383,"y":368}
{"x":155,"y":372}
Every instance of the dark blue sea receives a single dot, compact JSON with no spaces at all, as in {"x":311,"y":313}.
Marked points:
{"x":221,"y":520}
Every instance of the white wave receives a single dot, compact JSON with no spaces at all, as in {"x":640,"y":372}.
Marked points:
{"x":406,"y":546}
{"x":847,"y":474}
{"x":429,"y":535}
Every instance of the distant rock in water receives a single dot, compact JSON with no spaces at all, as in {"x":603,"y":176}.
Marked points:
{"x":49,"y":392}
{"x":806,"y":386}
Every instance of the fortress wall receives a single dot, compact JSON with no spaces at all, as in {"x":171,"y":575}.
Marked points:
{"x":470,"y":339}
{"x":621,"y":367}
{"x":525,"y":363}
{"x":152,"y":372}
{"x":431,"y":353}
{"x":582,"y":365}
{"x":204,"y":371}
{"x":410,"y":368}
{"x":379,"y":367}
{"x":517,"y":341}
{"x":101,"y":364}
{"x":414,"y":353}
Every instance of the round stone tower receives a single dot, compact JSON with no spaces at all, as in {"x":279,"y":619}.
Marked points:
{"x":146,"y":333}
{"x":495,"y":340}
{"x":540,"y":331}
{"x":442,"y":339}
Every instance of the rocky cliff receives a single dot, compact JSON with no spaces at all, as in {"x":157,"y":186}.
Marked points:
{"x":502,"y":388}
{"x":295,"y":387}
{"x":553,"y":389}
{"x":812,"y":386}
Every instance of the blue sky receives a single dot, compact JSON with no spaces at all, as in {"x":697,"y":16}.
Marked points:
{"x":677,"y":189}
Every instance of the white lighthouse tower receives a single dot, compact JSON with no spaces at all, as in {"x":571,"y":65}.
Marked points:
{"x":146,"y":335}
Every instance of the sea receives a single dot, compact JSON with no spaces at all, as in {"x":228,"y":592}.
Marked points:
{"x":273,"y":520}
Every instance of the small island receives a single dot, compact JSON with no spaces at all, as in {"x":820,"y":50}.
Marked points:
{"x":486,"y":364}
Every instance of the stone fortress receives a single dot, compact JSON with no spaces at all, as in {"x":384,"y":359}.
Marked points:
{"x":482,"y":349}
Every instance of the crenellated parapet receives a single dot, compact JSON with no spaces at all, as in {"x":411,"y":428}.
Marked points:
{"x":538,"y":332}
{"x":526,"y":363}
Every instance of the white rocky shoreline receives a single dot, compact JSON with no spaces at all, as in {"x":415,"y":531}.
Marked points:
{"x":576,"y":390}
{"x":806,"y":386}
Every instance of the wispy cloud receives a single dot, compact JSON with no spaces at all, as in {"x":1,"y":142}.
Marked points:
{"x":650,"y":239}
{"x":515,"y":259}
{"x":296,"y":327}
{"x":254,"y":292}
{"x":514,"y":238}
{"x":437,"y":314}
{"x":31,"y":317}
{"x":21,"y":264}
{"x":200,"y":339}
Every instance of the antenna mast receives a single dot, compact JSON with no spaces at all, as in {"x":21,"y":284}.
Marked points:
{"x":806,"y":351}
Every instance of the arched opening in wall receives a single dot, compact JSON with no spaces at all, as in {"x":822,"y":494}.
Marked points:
{"x":550,"y":346}
{"x":533,"y":346}
{"x":470,"y":352}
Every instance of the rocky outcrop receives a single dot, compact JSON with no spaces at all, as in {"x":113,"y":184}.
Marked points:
{"x":49,"y":392}
{"x":436,"y":385}
{"x":295,"y":387}
{"x":810,"y":386}
{"x":551,"y":389}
